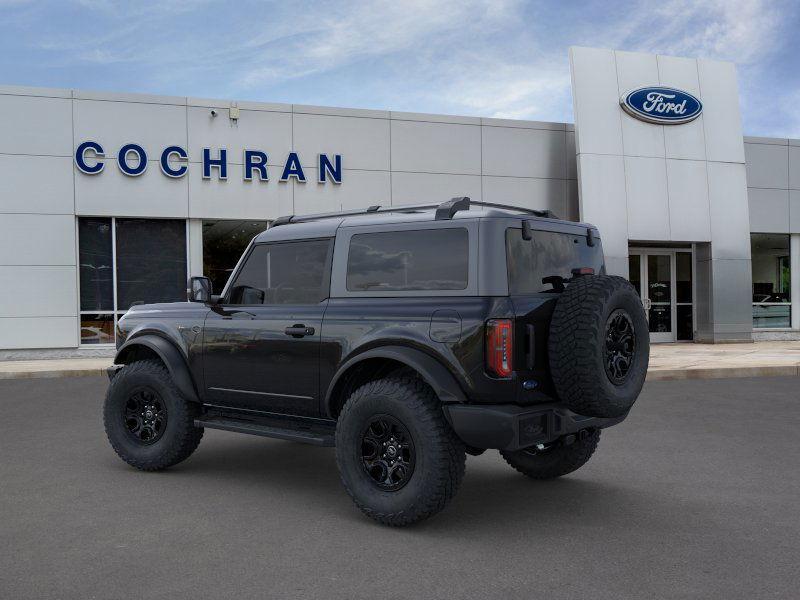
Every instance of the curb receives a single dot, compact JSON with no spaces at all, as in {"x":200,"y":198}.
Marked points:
{"x":652,"y":375}
{"x":53,"y":374}
{"x":722,"y":372}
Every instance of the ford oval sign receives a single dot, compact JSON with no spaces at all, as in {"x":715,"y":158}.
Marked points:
{"x":662,"y":105}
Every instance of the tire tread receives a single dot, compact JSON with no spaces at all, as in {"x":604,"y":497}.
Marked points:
{"x":577,"y":331}
{"x":184,"y":411}
{"x":449,"y":451}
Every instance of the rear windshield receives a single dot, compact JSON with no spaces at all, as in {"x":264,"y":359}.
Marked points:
{"x":545,"y":263}
{"x":432,"y":259}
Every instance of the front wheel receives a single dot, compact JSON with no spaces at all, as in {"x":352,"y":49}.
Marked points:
{"x":563,"y":456}
{"x":398,"y":458}
{"x":148,"y":422}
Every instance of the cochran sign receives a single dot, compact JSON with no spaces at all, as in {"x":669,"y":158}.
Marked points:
{"x":663,"y":105}
{"x":173,"y":160}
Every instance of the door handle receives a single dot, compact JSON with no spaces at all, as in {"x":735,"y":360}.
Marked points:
{"x":299,"y":330}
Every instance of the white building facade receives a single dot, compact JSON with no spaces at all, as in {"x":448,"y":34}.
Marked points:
{"x":112,"y":199}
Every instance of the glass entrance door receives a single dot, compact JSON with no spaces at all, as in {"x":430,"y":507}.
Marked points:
{"x":658,"y":296}
{"x":663,"y":280}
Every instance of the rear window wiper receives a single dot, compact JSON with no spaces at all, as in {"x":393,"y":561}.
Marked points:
{"x":559,"y":283}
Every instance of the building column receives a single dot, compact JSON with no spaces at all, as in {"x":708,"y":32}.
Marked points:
{"x":195,"y":247}
{"x":794,"y":271}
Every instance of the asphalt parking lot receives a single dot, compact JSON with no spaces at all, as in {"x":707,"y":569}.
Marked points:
{"x":694,"y":496}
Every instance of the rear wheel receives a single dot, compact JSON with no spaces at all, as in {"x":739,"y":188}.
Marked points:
{"x":148,"y":422}
{"x":554,"y":460}
{"x":398,"y":458}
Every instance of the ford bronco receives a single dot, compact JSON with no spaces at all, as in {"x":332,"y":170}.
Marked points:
{"x":404,"y":336}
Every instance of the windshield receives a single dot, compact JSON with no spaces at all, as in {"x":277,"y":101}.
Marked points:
{"x":545,"y":263}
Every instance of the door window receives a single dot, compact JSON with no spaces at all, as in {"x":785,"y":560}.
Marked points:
{"x":286,"y":273}
{"x":659,"y":291}
{"x":635,"y":270}
{"x":683,"y":296}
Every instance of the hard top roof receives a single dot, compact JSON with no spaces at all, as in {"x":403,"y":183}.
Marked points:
{"x":326,"y":224}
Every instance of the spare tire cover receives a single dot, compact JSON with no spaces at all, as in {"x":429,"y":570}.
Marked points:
{"x":599,"y":346}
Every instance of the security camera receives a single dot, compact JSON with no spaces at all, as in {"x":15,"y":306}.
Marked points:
{"x":213,"y":113}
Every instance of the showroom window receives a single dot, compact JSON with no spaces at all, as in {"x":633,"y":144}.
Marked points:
{"x":125,"y":262}
{"x":772,"y":302}
{"x":224,"y":242}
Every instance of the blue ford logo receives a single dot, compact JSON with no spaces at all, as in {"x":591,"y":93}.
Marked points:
{"x":663,"y":105}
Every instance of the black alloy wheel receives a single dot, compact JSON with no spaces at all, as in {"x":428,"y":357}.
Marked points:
{"x":145,"y":416}
{"x":620,"y":346}
{"x":387,"y":453}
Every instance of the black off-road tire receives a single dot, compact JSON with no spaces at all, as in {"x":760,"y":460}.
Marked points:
{"x":179,"y":437}
{"x":439,"y":456}
{"x":555,"y":461}
{"x":579,"y":346}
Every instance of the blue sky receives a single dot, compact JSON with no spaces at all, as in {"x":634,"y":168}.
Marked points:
{"x":502,"y":58}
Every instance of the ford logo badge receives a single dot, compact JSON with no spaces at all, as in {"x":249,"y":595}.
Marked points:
{"x":662,"y":105}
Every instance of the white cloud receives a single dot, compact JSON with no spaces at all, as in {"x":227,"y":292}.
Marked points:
{"x":738,"y":30}
{"x":504,"y":58}
{"x":363,"y":30}
{"x":744,"y":31}
{"x":484,"y":58}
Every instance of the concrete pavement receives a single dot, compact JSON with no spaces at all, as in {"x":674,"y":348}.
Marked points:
{"x":713,"y":361}
{"x":685,"y":499}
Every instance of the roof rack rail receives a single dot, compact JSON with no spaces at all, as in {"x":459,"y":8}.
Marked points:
{"x":541,"y":213}
{"x":445,"y":210}
{"x":285,"y":220}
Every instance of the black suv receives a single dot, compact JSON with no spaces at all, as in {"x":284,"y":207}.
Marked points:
{"x":404,"y":336}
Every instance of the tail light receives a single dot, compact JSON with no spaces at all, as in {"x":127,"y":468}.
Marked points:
{"x":499,"y":347}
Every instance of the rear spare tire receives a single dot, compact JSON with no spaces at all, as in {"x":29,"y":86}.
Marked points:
{"x":599,"y":346}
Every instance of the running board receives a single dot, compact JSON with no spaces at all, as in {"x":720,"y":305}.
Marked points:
{"x":317,"y":436}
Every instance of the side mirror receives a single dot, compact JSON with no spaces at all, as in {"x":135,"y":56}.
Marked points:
{"x":199,"y":290}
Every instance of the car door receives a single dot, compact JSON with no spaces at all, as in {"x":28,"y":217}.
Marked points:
{"x":261,"y":342}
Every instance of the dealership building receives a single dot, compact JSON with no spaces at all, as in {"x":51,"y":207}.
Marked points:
{"x":113,"y":199}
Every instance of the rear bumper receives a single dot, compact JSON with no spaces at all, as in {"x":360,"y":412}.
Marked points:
{"x":511,"y":427}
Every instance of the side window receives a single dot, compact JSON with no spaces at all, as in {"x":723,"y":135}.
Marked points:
{"x":250,"y":286}
{"x":284,"y":273}
{"x":428,"y":259}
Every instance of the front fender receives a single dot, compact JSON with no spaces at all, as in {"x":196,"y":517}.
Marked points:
{"x":169,"y":354}
{"x":430,"y":369}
